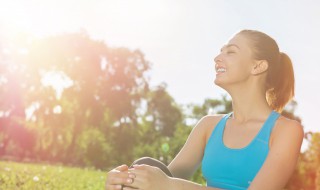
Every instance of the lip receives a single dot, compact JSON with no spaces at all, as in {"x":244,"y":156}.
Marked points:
{"x":216,"y":69}
{"x":219,"y":74}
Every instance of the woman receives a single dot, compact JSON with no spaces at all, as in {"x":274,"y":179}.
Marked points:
{"x":253,"y":147}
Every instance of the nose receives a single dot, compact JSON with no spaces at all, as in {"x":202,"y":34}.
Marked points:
{"x":217,"y":59}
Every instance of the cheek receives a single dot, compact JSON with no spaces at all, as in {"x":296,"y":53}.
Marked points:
{"x":237,"y":71}
{"x":241,"y":65}
{"x":238,"y":66}
{"x":242,"y":69}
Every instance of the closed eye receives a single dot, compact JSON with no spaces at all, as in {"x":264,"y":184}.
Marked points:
{"x":229,"y":46}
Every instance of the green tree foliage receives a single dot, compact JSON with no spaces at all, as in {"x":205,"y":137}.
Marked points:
{"x":210,"y":106}
{"x":163,"y":112}
{"x":306,"y":175}
{"x":85,"y":99}
{"x":73,"y":85}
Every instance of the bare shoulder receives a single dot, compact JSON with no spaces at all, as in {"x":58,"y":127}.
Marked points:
{"x":288,"y":125}
{"x":208,"y":123}
{"x":208,"y":119}
{"x":283,"y":156}
{"x":286,"y":128}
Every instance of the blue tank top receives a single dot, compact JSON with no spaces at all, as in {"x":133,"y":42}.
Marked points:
{"x":229,"y":168}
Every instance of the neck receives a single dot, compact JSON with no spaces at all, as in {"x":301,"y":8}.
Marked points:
{"x":249,"y":103}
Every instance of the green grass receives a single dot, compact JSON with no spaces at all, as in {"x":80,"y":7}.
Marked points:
{"x":21,"y":176}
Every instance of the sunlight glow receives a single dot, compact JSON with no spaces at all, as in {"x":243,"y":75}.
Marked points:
{"x":57,"y":109}
{"x":14,"y":16}
{"x":57,"y":80}
{"x":30,"y":110}
{"x":4,"y":113}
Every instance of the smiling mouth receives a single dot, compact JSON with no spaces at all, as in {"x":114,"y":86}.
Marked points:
{"x":220,"y":70}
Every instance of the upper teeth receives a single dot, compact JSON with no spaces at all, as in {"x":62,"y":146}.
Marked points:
{"x":221,"y":70}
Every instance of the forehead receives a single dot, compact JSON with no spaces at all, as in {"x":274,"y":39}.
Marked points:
{"x":238,"y":41}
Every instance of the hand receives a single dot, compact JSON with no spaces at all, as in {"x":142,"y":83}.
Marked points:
{"x":148,"y":178}
{"x":118,"y":177}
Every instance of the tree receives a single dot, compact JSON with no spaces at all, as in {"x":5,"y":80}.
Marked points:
{"x":72,"y":83}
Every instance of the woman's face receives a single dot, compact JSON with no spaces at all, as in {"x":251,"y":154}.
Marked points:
{"x":234,"y":63}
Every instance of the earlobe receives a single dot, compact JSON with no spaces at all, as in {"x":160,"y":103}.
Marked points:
{"x":260,"y":67}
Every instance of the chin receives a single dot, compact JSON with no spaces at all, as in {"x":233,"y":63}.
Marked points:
{"x":219,"y":83}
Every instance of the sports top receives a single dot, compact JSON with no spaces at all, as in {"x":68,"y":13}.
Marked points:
{"x":235,"y":168}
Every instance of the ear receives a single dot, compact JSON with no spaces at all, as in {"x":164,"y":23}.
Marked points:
{"x":259,"y":67}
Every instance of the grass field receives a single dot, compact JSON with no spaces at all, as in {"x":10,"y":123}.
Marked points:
{"x":21,"y":176}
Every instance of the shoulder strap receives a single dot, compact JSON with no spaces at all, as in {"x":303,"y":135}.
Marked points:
{"x":270,"y":123}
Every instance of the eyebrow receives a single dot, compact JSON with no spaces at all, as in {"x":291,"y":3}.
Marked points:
{"x":229,"y":45}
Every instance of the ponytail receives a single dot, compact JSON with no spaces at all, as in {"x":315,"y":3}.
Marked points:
{"x":280,"y":76}
{"x":282,"y":82}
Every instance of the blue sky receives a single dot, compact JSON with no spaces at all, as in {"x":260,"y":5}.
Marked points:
{"x":180,"y":38}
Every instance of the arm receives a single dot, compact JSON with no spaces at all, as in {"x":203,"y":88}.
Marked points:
{"x":282,"y":158}
{"x":190,"y":156}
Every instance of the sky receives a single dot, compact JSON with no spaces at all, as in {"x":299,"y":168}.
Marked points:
{"x":181,"y":38}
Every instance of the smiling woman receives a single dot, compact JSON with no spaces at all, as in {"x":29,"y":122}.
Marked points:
{"x":253,"y":147}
